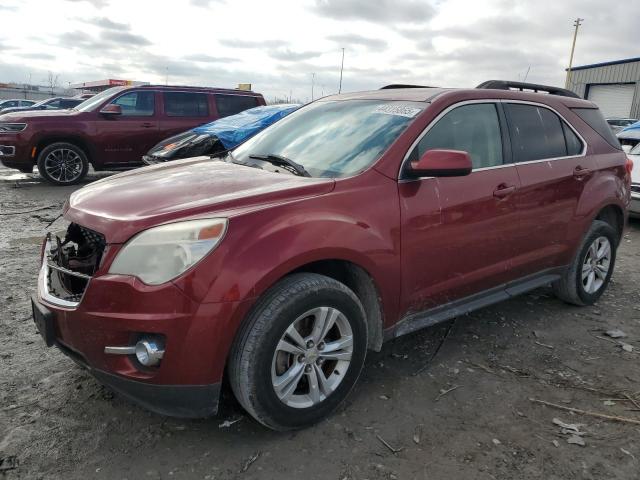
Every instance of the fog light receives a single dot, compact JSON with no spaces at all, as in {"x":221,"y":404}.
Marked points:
{"x":149,"y":352}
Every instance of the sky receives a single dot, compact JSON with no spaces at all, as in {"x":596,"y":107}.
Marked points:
{"x":284,"y":47}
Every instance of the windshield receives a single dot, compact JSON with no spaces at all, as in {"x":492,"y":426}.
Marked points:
{"x":332,"y":138}
{"x":91,"y":103}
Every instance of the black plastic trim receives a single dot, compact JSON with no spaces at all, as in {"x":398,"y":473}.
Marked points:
{"x":522,"y":86}
{"x":442,"y":313}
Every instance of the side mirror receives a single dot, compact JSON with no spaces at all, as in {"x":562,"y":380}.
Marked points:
{"x":111,"y":109}
{"x":442,"y":163}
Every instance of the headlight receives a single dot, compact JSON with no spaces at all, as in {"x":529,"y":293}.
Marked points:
{"x":162,"y":253}
{"x":6,"y":127}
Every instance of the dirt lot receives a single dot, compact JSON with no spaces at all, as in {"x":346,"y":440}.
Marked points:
{"x":465,"y":413}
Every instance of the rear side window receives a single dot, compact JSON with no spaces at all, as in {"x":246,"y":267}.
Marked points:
{"x":232,"y":104}
{"x":593,"y":117}
{"x":136,"y":104}
{"x":574,"y":144}
{"x":536,"y":133}
{"x":474,"y":129}
{"x":185,"y":104}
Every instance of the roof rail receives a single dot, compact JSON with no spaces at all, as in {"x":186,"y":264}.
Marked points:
{"x":401,"y":85}
{"x":522,"y":86}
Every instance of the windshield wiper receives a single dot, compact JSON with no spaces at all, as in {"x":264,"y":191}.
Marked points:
{"x":285,"y":162}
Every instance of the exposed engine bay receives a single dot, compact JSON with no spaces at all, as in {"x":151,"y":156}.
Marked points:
{"x":72,"y":261}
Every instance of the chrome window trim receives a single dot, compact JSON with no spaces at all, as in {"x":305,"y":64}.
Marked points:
{"x":494,"y":101}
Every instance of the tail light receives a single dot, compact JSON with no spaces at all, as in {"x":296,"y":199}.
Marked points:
{"x":629,"y":165}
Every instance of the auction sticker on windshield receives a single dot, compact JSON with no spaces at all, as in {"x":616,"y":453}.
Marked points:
{"x":401,"y":110}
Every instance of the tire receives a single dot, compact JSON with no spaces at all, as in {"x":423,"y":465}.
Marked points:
{"x":63,"y":163}
{"x":258,"y":364}
{"x":573,"y":287}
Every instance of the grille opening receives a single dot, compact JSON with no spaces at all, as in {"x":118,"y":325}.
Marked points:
{"x":73,"y":261}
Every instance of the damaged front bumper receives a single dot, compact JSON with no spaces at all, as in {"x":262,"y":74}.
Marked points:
{"x":81,"y":314}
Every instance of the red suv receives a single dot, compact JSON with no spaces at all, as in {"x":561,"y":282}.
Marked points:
{"x":358,"y":218}
{"x":111,"y":130}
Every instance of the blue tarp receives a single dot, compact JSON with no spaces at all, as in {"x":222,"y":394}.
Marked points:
{"x":633,"y":126}
{"x":235,"y":129}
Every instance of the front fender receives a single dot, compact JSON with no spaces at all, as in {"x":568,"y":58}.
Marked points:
{"x":354,"y":223}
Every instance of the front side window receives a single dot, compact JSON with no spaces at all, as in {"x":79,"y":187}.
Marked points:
{"x":332,"y":138}
{"x":136,"y":104}
{"x":474,"y":129}
{"x":232,"y":104}
{"x":536,"y":133}
{"x":185,"y":104}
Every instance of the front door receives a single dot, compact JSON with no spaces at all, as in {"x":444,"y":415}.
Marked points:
{"x":457,"y":231}
{"x":123,"y":139}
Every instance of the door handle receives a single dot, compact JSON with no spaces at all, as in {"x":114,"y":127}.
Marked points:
{"x":503,"y":191}
{"x":147,"y":125}
{"x":579,"y":172}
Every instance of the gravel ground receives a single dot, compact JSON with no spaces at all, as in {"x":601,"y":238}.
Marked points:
{"x":460,"y":411}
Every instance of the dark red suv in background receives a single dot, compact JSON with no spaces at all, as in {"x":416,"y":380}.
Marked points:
{"x":356,"y":219}
{"x":111,"y":130}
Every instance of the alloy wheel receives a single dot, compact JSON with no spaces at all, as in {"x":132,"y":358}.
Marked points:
{"x":596,"y":264}
{"x":312,"y":357}
{"x":63,"y":165}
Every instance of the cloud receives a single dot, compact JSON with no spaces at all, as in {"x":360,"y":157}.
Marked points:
{"x":95,"y":3}
{"x":205,"y":3}
{"x":203,"y":58}
{"x":38,"y":56}
{"x":126,"y":38}
{"x":108,"y":24}
{"x":291,"y":56}
{"x":377,"y":11}
{"x":351,"y":39}
{"x":238,"y":43}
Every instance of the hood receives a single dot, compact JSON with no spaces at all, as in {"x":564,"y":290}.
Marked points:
{"x":122,"y":205}
{"x":34,"y":114}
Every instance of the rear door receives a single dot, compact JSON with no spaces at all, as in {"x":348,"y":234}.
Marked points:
{"x":121,"y":140}
{"x":553,"y":170}
{"x":182,"y":111}
{"x":457,"y":232}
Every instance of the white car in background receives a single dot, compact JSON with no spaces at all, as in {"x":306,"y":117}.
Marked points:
{"x":634,"y":209}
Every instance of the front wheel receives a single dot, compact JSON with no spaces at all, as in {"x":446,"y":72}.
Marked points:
{"x":589,"y":273}
{"x":300,"y":352}
{"x":63,"y":163}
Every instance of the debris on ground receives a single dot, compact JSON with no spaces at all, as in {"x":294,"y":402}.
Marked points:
{"x":576,"y":440}
{"x":8,"y":463}
{"x":228,"y":423}
{"x":386,"y":444}
{"x":417,"y":434}
{"x":249,"y":461}
{"x":615,"y":333}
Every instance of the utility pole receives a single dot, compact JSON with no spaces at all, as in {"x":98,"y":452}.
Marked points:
{"x":341,"y":68}
{"x":576,"y":23}
{"x":313,"y":80}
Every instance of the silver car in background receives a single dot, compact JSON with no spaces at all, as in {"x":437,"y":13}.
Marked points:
{"x":634,"y":209}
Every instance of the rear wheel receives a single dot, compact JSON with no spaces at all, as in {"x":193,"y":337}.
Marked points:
{"x":300,"y":352}
{"x":589,"y":274}
{"x":63,"y":163}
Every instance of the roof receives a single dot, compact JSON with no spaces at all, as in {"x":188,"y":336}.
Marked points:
{"x":605,"y":64}
{"x":404,"y":94}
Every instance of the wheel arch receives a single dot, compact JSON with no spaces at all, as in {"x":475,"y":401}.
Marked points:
{"x":73,"y":139}
{"x":614,"y":216}
{"x":363,"y":285}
